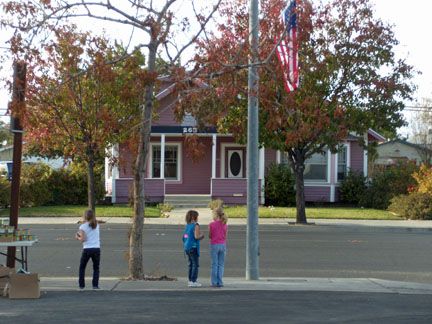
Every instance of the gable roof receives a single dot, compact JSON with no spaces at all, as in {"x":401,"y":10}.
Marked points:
{"x":404,"y":142}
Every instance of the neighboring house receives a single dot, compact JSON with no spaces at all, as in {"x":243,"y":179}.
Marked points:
{"x":400,"y":150}
{"x":222,"y":172}
{"x":6,"y":157}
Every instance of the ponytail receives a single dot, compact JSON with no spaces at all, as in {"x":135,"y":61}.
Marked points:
{"x":90,"y":217}
{"x":219,"y":213}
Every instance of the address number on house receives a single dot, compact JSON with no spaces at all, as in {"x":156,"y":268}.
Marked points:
{"x":190,"y":130}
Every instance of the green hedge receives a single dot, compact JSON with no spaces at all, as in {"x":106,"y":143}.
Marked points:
{"x":44,"y":186}
{"x":353,"y":188}
{"x":387,"y":183}
{"x":279,"y":186}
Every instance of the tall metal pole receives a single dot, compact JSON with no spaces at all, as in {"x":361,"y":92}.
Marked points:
{"x":17,"y":108}
{"x":252,"y":243}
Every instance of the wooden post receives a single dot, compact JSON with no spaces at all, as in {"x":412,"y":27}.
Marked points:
{"x":16,"y":108}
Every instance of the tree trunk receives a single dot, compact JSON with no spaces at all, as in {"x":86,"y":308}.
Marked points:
{"x":300,"y":195}
{"x":297,"y":159}
{"x":91,"y":196}
{"x":136,"y":237}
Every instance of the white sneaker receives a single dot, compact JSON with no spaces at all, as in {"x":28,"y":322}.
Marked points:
{"x":190,"y":284}
{"x":196,"y":284}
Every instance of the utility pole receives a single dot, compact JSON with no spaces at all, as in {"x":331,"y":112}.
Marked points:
{"x":17,"y":109}
{"x":252,"y":242}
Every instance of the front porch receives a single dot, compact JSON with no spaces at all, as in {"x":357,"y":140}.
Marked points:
{"x":231,"y":191}
{"x":171,"y":172}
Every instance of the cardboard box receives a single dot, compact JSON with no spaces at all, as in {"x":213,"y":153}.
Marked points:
{"x":5,"y":272}
{"x":24,"y":286}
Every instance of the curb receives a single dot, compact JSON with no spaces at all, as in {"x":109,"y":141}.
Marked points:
{"x":359,"y":285}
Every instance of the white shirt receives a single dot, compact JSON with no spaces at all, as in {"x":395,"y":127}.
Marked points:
{"x":92,"y":239}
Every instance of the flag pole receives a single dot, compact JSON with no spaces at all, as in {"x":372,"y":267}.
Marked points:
{"x":252,"y":242}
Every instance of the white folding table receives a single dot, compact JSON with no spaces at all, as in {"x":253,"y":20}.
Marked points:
{"x":24,"y":253}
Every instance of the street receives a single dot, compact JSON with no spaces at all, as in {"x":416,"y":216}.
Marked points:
{"x":218,"y":307}
{"x":286,"y":251}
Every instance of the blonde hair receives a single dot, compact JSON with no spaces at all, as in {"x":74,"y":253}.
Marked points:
{"x":218,"y":213}
{"x":191,"y":216}
{"x":90,"y":217}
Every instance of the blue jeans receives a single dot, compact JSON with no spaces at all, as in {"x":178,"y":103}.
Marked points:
{"x":218,"y":252}
{"x":86,"y":255}
{"x":193,"y":264}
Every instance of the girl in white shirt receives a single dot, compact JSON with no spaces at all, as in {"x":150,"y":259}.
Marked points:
{"x":88,"y":234}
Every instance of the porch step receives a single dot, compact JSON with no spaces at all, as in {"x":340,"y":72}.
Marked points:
{"x":188,"y":200}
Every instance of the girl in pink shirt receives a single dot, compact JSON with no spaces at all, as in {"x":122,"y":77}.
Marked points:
{"x":217,"y":234}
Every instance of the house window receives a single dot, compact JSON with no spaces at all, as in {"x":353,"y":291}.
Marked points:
{"x":171,"y":162}
{"x":284,"y":158}
{"x":316,"y":167}
{"x":342,"y":166}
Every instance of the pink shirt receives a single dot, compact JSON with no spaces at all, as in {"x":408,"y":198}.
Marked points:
{"x":218,"y":231}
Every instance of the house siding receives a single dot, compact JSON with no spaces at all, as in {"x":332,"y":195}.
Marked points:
{"x":231,"y":191}
{"x":195,"y":177}
{"x":154,"y":190}
{"x":356,"y":157}
{"x":269,"y":158}
{"x":165,"y":115}
{"x":317,"y":193}
{"x":125,"y":162}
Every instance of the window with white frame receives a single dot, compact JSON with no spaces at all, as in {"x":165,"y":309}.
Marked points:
{"x":284,"y":158}
{"x":171,"y":161}
{"x":316,"y":167}
{"x":342,"y":165}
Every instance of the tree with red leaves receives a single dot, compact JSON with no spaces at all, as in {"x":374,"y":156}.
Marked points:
{"x":350,"y":79}
{"x":168,"y":26}
{"x":77,"y":104}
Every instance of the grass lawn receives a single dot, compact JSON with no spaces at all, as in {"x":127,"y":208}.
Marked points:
{"x":315,"y":212}
{"x":78,"y":211}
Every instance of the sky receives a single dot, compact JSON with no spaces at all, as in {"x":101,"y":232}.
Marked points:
{"x":412,"y":23}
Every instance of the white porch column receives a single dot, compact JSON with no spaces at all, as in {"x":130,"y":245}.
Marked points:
{"x":333,"y":180}
{"x":214,"y":142}
{"x":261,"y":169}
{"x":114,"y":173}
{"x":162,"y":161}
{"x":365,"y":157}
{"x":214,"y":146}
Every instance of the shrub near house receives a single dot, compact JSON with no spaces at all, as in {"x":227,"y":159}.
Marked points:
{"x":279,"y":186}
{"x":417,"y":204}
{"x":43,"y":186}
{"x":377,"y":192}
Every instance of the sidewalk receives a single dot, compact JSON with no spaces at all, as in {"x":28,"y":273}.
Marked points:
{"x":366,"y":285}
{"x":177,"y":216}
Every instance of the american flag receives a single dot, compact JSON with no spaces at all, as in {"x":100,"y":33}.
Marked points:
{"x":287,"y":50}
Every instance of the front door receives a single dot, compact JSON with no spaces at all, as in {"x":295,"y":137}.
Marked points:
{"x":235,"y":163}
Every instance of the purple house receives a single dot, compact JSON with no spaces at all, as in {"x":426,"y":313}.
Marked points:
{"x":173,"y":177}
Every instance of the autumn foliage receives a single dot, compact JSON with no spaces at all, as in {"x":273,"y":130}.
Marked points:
{"x":350,"y":79}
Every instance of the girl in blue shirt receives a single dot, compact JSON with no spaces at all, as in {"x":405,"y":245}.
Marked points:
{"x":191,"y":243}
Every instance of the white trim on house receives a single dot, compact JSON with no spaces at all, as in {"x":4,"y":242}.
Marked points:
{"x":262,"y":172}
{"x":114,"y":173}
{"x":179,"y":161}
{"x":162,"y":161}
{"x":332,"y":193}
{"x":365,"y":156}
{"x":214,"y":157}
{"x":278,"y":157}
{"x":347,"y":145}
{"x":214,"y":151}
{"x":223,"y":146}
{"x":328,"y":166}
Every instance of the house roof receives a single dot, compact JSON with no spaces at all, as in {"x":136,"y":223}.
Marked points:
{"x":376,"y":135}
{"x":404,"y":142}
{"x":6,"y":148}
